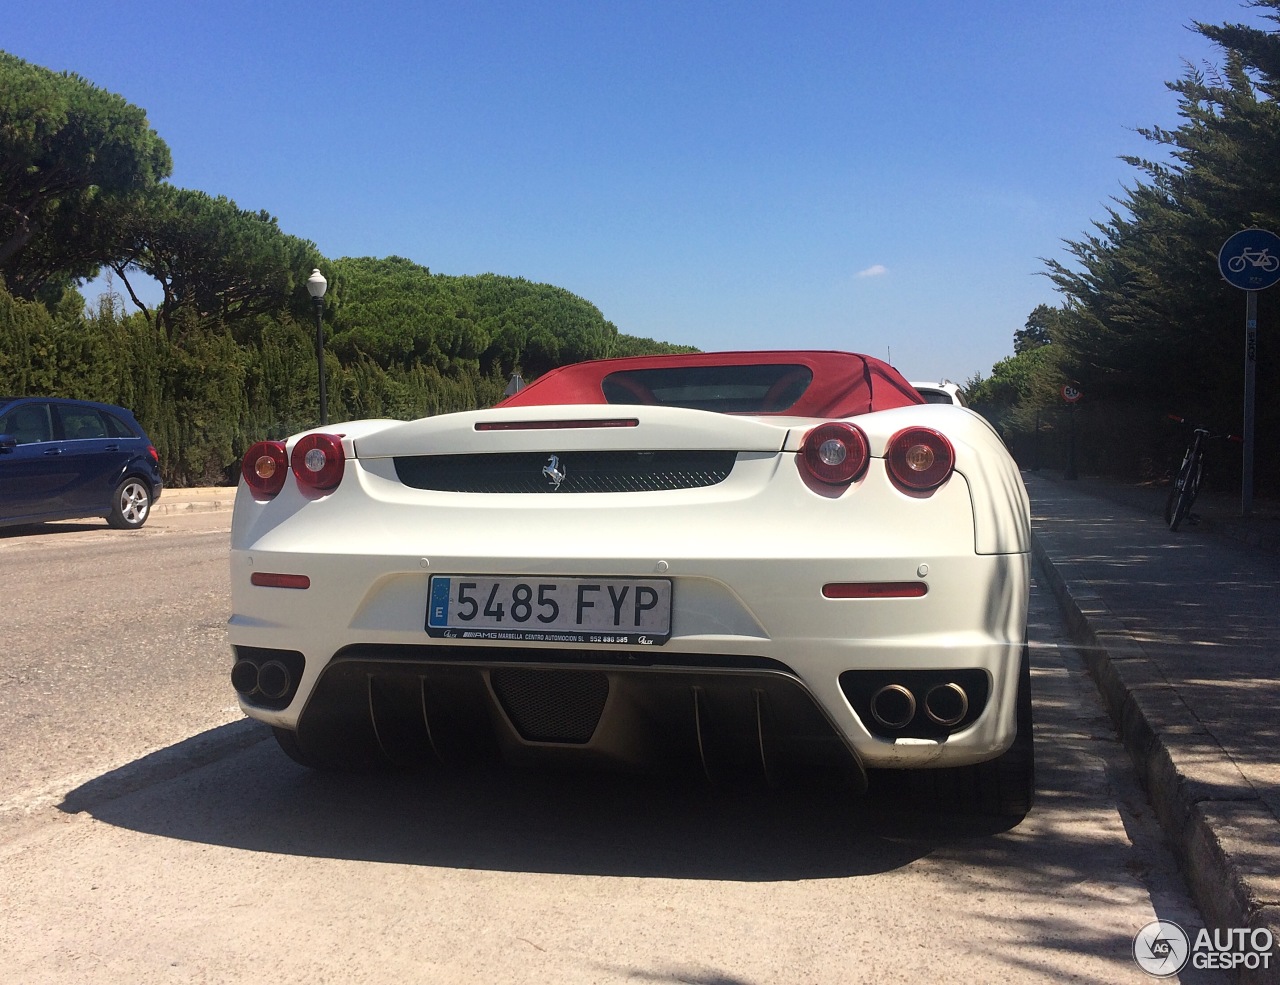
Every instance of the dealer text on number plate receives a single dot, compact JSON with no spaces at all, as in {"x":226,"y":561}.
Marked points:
{"x":550,"y":609}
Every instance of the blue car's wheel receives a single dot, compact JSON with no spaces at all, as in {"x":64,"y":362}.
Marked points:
{"x":130,"y":505}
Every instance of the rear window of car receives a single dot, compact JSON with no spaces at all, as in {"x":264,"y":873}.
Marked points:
{"x":935,"y":396}
{"x":750,"y":389}
{"x":117,"y":428}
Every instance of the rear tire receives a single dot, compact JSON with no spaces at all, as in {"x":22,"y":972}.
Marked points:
{"x":1007,"y":784}
{"x":130,"y":504}
{"x":337,"y":756}
{"x":1183,"y":494}
{"x":287,"y":739}
{"x":1002,"y":787}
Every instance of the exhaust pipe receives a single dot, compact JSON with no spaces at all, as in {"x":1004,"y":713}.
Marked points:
{"x":946,"y":704}
{"x":244,"y":677}
{"x":893,"y":706}
{"x":274,"y":680}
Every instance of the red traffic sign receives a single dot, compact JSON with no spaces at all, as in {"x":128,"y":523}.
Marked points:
{"x":1071,"y":393}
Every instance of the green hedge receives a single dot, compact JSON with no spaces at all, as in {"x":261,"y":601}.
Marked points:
{"x":204,"y":397}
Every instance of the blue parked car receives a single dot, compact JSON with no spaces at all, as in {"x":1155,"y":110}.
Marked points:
{"x":65,"y":459}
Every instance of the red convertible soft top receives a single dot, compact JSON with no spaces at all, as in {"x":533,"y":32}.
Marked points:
{"x":802,"y":383}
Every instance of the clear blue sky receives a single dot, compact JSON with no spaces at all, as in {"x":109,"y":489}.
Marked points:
{"x":875,"y":175}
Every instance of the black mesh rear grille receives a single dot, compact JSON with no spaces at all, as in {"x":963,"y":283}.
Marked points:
{"x":579,"y":472}
{"x":552,"y":705}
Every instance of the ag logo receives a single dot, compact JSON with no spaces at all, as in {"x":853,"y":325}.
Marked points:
{"x":1161,"y":948}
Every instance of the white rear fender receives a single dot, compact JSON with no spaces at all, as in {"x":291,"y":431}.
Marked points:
{"x":1001,"y":510}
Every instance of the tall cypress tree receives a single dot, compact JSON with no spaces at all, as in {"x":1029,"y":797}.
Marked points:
{"x":1149,"y":323}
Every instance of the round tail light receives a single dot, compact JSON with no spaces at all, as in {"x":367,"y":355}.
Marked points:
{"x":919,"y":459}
{"x":318,"y":461}
{"x":836,"y":453}
{"x":264,"y":468}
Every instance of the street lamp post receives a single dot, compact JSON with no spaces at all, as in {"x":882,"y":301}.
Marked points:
{"x":316,"y":285}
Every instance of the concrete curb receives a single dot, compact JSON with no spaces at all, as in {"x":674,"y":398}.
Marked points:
{"x":205,"y":499}
{"x":1210,"y":813}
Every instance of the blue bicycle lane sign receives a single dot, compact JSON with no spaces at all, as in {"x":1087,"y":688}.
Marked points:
{"x":1250,"y":259}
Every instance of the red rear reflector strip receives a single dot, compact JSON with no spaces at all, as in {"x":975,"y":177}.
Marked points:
{"x":621,"y":422}
{"x":875,"y":590}
{"x":267,"y":579}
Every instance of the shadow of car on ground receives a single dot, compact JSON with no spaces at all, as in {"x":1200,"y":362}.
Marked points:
{"x":229,"y":787}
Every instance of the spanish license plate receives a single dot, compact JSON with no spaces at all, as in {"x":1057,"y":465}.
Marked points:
{"x":634,"y":611}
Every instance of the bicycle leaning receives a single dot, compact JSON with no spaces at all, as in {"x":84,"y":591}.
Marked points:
{"x":1186,"y":485}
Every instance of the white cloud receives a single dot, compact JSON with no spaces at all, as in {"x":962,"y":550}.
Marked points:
{"x":878,"y":270}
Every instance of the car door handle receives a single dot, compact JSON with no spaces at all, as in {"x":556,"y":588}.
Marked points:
{"x":53,"y":451}
{"x":112,"y":448}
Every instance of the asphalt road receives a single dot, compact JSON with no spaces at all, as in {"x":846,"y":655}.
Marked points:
{"x":150,"y":834}
{"x":114,"y":645}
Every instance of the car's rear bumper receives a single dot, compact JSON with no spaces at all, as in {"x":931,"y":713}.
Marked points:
{"x":737,"y":622}
{"x":417,"y":705}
